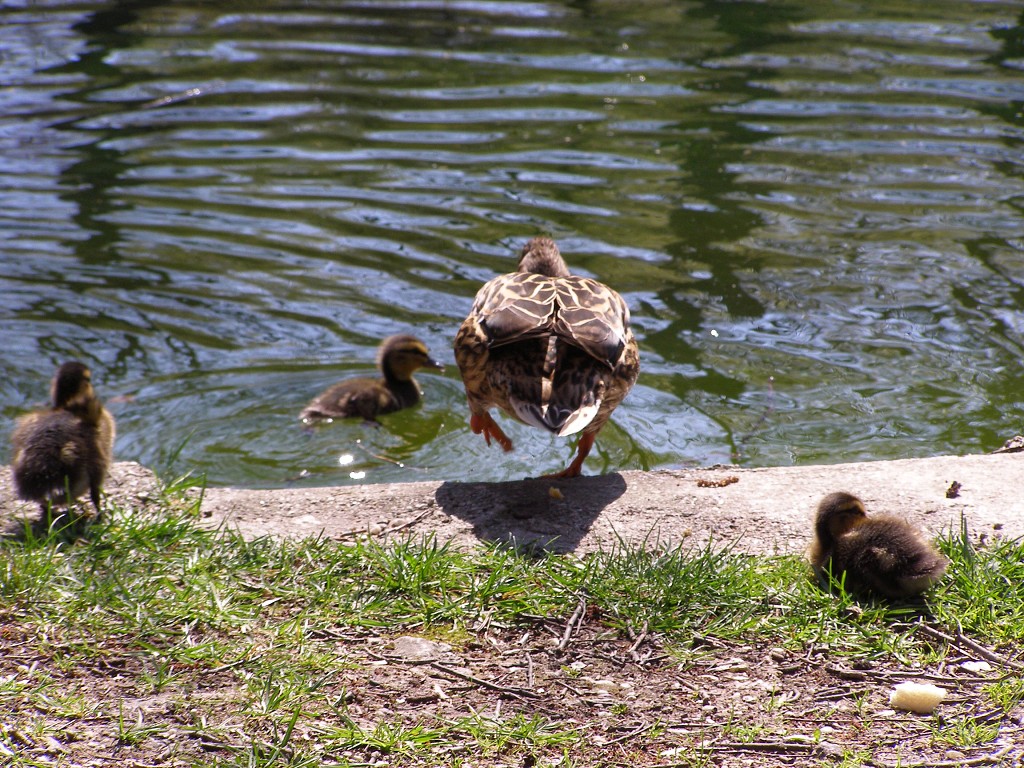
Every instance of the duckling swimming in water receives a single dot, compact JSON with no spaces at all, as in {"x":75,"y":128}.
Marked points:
{"x":61,"y":452}
{"x":398,"y":357}
{"x":550,"y":349}
{"x":881,"y":554}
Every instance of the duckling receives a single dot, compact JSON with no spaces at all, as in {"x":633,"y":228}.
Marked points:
{"x":64,"y":450}
{"x":881,"y":554}
{"x":398,"y":357}
{"x":550,"y":349}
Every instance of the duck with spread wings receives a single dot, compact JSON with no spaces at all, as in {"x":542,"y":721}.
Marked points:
{"x":551,"y":349}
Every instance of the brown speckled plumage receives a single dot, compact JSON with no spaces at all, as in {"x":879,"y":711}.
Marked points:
{"x":398,"y":357}
{"x":62,"y":452}
{"x":550,"y":349}
{"x":881,"y":554}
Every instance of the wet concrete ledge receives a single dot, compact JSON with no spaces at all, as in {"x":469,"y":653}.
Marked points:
{"x":762,"y":510}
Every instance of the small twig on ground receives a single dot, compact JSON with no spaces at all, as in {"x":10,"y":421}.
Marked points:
{"x":888,"y":675}
{"x":511,"y":691}
{"x":435,"y":664}
{"x":989,"y":716}
{"x":408,"y":523}
{"x":364,"y":531}
{"x":401,"y":659}
{"x":573,"y":624}
{"x":762,"y":746}
{"x":630,"y":735}
{"x":967,"y":643}
{"x":854,"y":675}
{"x":384,"y":531}
{"x":574,"y":691}
{"x":637,"y":643}
{"x":982,"y":760}
{"x":748,"y":746}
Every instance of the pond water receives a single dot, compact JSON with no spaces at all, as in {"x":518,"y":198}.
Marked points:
{"x":815,"y":211}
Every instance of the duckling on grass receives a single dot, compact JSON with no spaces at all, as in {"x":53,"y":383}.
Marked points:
{"x":550,"y":349}
{"x":62,"y":451}
{"x":398,"y":357}
{"x":882,"y":554}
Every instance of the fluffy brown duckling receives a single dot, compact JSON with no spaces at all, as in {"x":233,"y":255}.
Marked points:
{"x":550,"y":349}
{"x":398,"y":357}
{"x":62,"y":451}
{"x":880,"y":554}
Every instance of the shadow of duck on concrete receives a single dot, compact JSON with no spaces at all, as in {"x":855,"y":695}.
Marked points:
{"x":540,"y":514}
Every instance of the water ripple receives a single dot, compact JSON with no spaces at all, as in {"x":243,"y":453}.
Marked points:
{"x":818,"y":223}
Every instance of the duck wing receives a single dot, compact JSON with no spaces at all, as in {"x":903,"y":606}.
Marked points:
{"x":582,"y":312}
{"x":593,"y":317}
{"x":515,"y":307}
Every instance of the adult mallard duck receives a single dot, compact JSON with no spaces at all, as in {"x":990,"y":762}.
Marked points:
{"x":398,"y":357}
{"x":62,"y":451}
{"x":550,"y":349}
{"x":880,"y":554}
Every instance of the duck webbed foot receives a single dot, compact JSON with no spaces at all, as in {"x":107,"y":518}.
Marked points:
{"x":490,"y":429}
{"x":582,"y":451}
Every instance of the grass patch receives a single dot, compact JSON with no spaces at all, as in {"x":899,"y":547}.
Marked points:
{"x":983,"y":593}
{"x":205,"y":648}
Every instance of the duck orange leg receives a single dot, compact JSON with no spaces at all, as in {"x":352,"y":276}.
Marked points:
{"x":582,"y":451}
{"x":482,"y":422}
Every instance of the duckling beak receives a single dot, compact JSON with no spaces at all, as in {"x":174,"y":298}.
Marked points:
{"x":434,"y":364}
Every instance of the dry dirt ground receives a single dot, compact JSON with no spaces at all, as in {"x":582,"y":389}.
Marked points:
{"x":722,"y":705}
